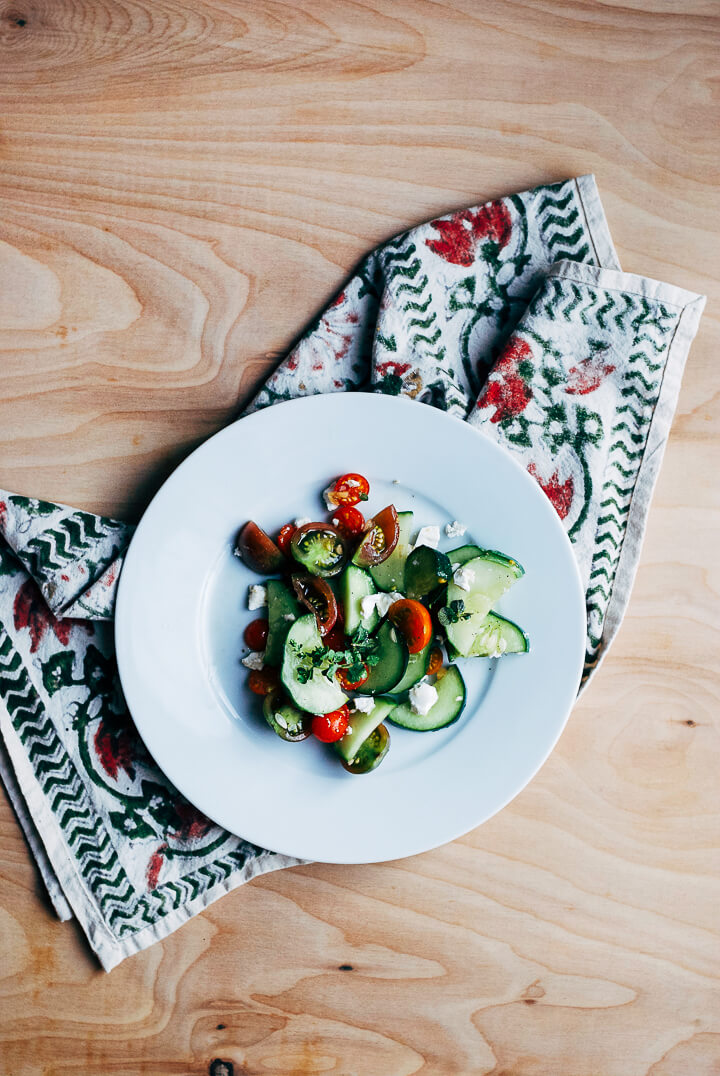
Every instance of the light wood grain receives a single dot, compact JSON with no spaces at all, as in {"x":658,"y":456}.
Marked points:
{"x":183,"y":184}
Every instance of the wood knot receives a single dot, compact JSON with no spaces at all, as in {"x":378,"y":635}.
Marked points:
{"x":690,"y":723}
{"x":220,"y":1027}
{"x":533,"y":993}
{"x":345,"y":967}
{"x":218,"y":1067}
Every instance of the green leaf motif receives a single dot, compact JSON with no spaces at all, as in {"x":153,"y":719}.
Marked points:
{"x":33,"y":507}
{"x":131,"y":824}
{"x":57,"y":672}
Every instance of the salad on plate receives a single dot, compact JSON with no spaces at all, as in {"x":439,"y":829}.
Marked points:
{"x":356,"y":617}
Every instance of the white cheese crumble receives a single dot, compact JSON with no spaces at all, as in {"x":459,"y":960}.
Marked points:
{"x":301,"y":521}
{"x":428,"y":536}
{"x":463,"y":577}
{"x":330,"y":504}
{"x":455,"y":529}
{"x":363,"y":703}
{"x":254,"y":660}
{"x":381,"y":602}
{"x":257,"y":597}
{"x":288,"y":616}
{"x":423,"y":697}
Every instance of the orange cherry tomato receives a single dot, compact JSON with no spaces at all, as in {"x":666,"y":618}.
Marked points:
{"x":285,"y":537}
{"x":263,"y":681}
{"x":413,"y":621}
{"x":328,"y":728}
{"x":349,"y":521}
{"x":348,"y":489}
{"x":351,"y":685}
{"x":256,"y":633}
{"x":435,"y":662}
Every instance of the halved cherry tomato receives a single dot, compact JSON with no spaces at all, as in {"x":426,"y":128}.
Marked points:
{"x":331,"y":727}
{"x":413,"y":621}
{"x":336,"y":639}
{"x":256,"y":633}
{"x":435,"y":662}
{"x":263,"y":681}
{"x":351,"y":685}
{"x":320,"y":548}
{"x":258,"y":550}
{"x":349,"y":521}
{"x":315,"y":594}
{"x":285,"y":537}
{"x":380,"y":538}
{"x":348,"y":489}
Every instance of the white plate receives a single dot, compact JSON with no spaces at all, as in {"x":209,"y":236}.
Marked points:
{"x":182,"y":609}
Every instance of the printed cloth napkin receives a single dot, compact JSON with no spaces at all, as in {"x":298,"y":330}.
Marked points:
{"x":515,"y":316}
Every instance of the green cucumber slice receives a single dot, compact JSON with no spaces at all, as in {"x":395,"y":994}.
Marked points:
{"x":390,"y":573}
{"x":450,"y":704}
{"x":362,"y":725}
{"x":493,"y":575}
{"x":318,"y":695}
{"x":497,"y":636}
{"x":426,"y":571}
{"x":357,"y":584}
{"x":463,"y":554}
{"x":416,"y":669}
{"x":393,"y":656}
{"x":283,"y":611}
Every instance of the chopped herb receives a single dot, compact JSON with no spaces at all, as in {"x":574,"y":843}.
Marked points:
{"x":453,"y":613}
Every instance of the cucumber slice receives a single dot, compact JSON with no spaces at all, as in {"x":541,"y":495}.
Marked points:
{"x":426,"y":571}
{"x":417,"y":668}
{"x":463,"y":554}
{"x":357,"y":584}
{"x":450,"y":704}
{"x":362,"y":725}
{"x":319,"y":695}
{"x":283,"y":611}
{"x":498,"y":636}
{"x":390,"y":573}
{"x":393,"y":657}
{"x":494,"y":573}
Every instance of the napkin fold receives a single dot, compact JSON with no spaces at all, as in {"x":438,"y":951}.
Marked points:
{"x":513,"y":315}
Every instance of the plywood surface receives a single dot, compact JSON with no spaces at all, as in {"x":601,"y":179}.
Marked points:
{"x":182,"y":184}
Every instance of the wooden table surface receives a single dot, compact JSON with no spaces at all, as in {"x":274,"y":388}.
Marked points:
{"x":184,"y":182}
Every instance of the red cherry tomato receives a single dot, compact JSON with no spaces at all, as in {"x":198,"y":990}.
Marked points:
{"x":336,"y":639}
{"x":315,"y":594}
{"x":349,"y":521}
{"x":435,"y":662}
{"x":413,"y":621}
{"x":263,"y":681}
{"x":380,"y":538}
{"x":331,"y":727}
{"x":348,"y":489}
{"x":285,"y":537}
{"x":351,"y":685}
{"x":256,"y":633}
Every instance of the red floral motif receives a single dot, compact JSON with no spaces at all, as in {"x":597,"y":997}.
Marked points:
{"x":339,"y":299}
{"x":193,"y":824}
{"x":587,"y":375}
{"x":392,"y":367}
{"x":3,"y":513}
{"x":560,"y":494}
{"x":116,"y":750}
{"x":155,"y":865}
{"x":31,"y":612}
{"x":461,"y":235}
{"x":506,"y":390}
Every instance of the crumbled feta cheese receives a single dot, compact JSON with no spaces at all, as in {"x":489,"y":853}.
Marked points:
{"x":463,"y":577}
{"x":257,"y":597}
{"x":381,"y":602}
{"x":301,"y":521}
{"x":428,"y":536}
{"x":455,"y":529}
{"x":254,"y":660}
{"x":363,"y":703}
{"x":348,"y":730}
{"x":330,"y":504}
{"x":423,"y":697}
{"x":288,"y":616}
